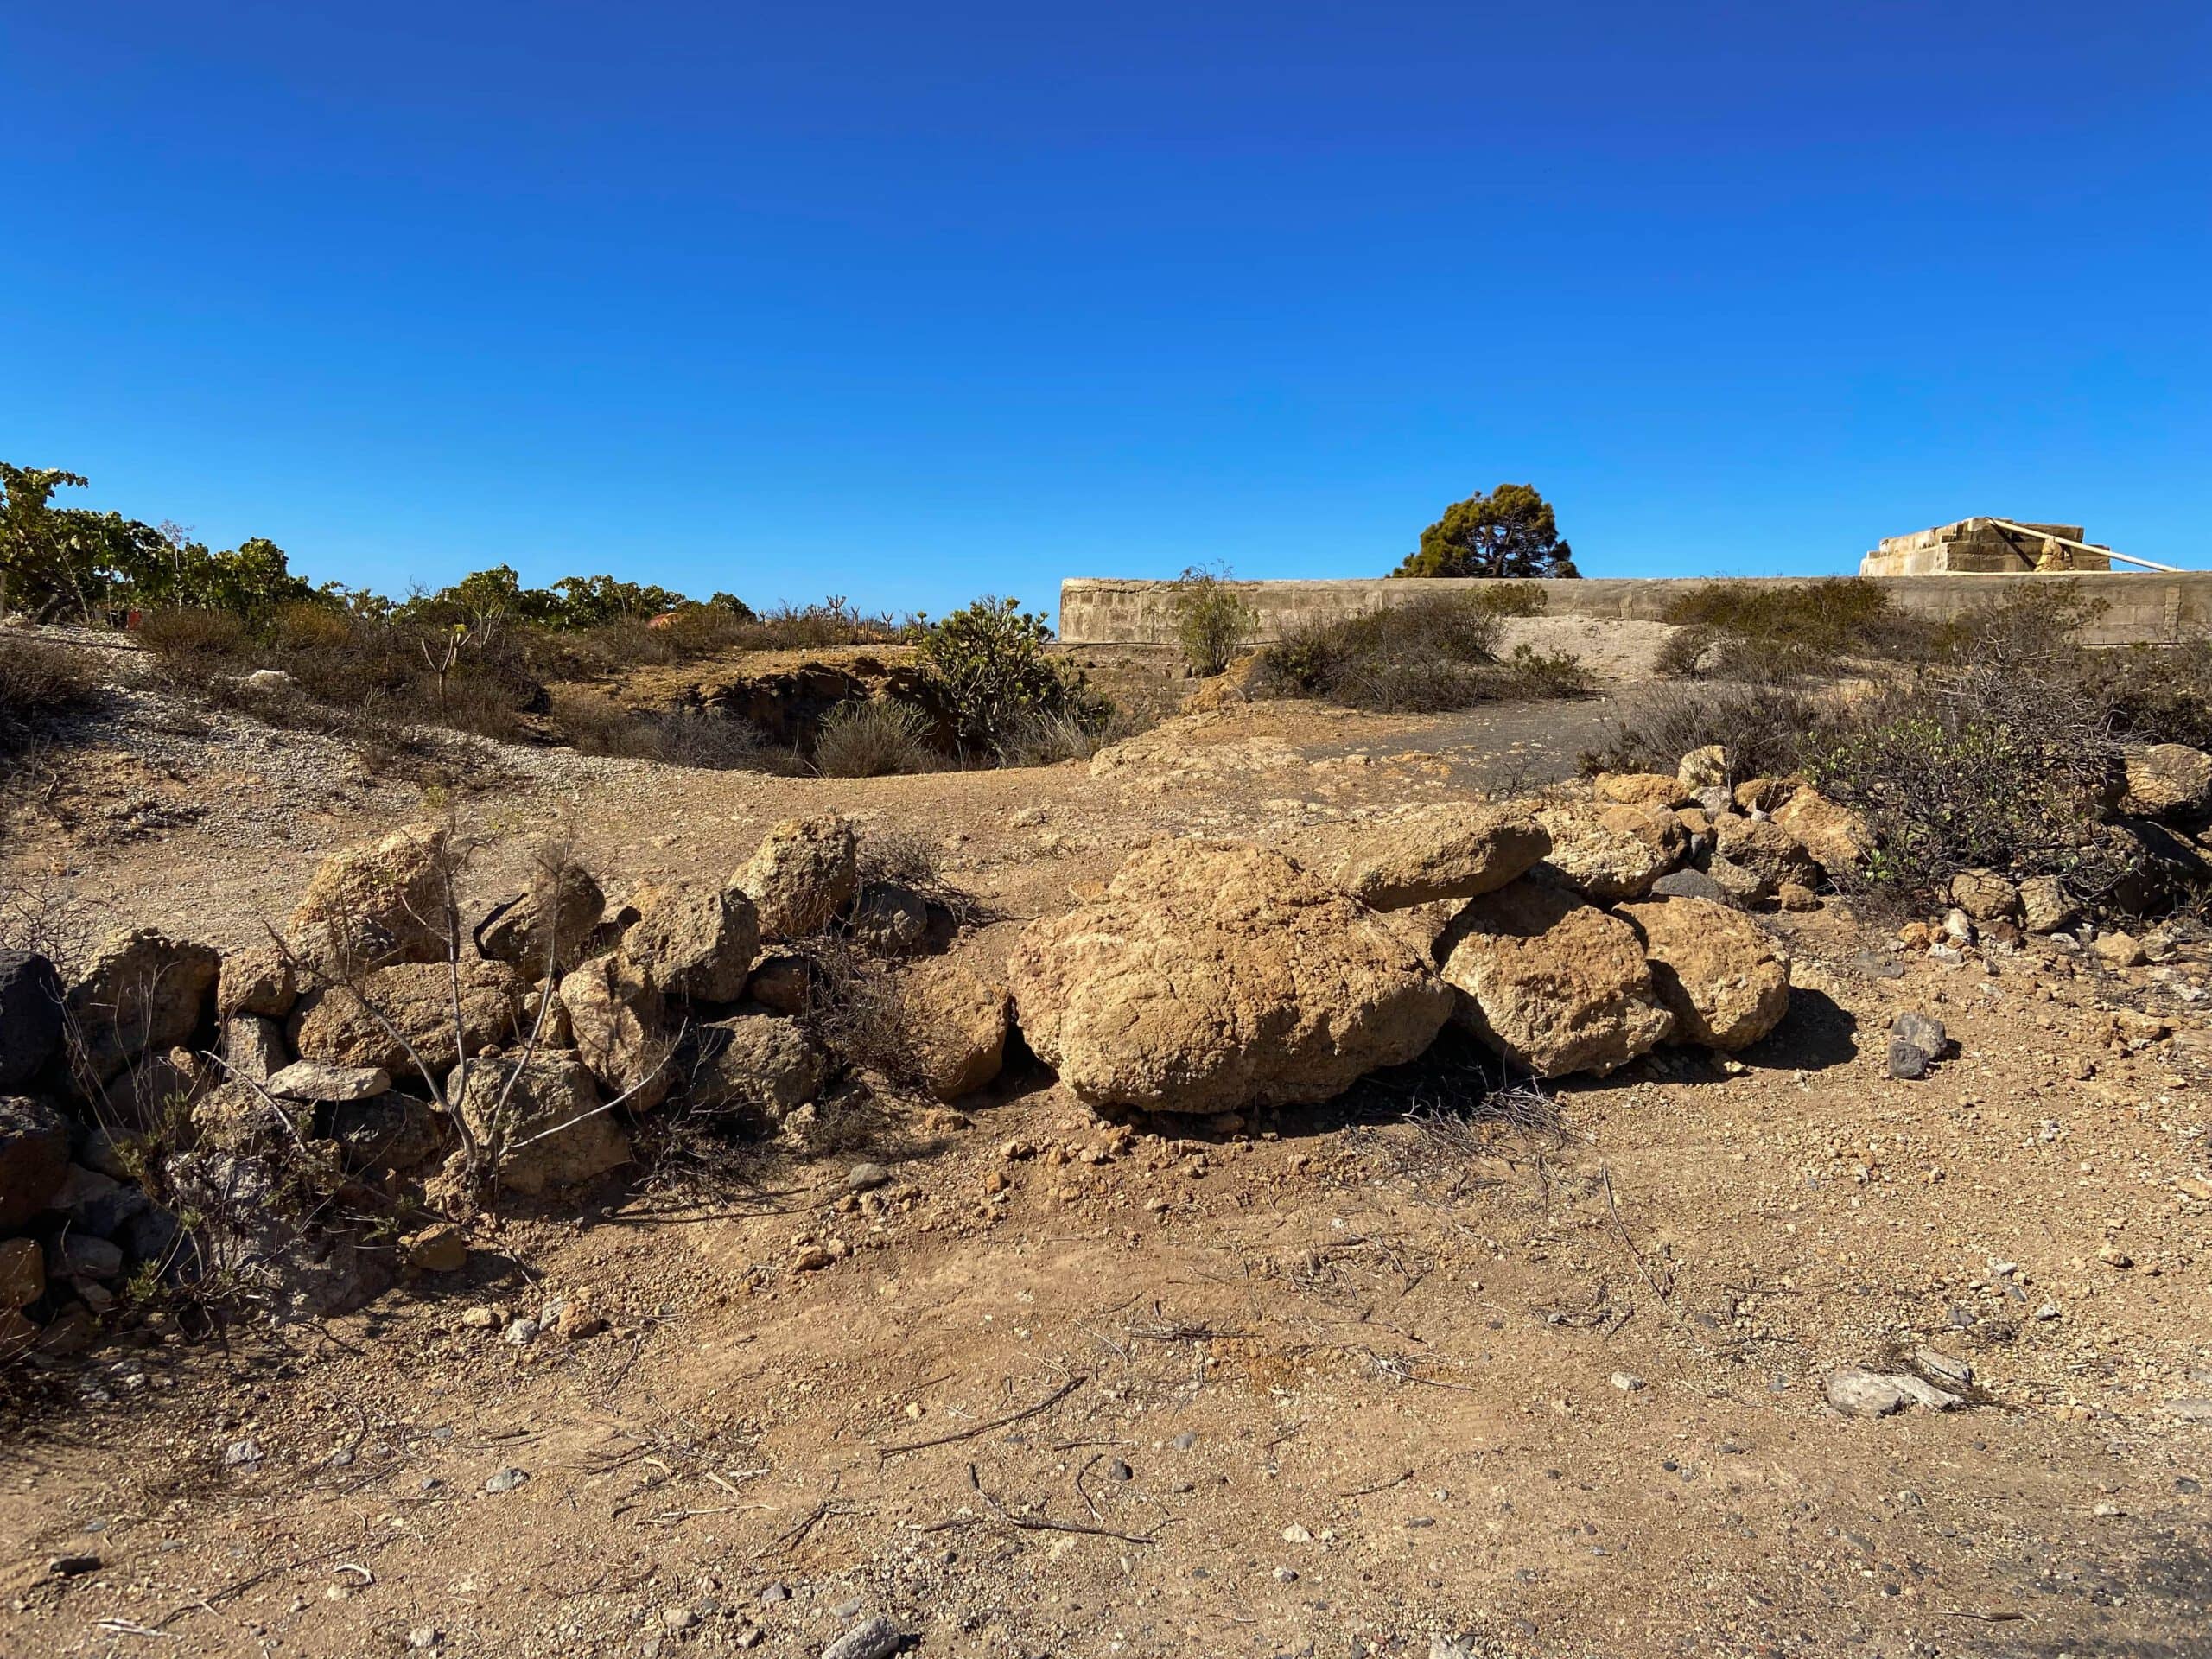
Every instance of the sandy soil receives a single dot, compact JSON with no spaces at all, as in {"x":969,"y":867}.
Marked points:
{"x":1341,"y":1382}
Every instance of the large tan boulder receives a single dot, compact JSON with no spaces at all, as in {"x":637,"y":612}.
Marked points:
{"x":957,"y":1021}
{"x":1210,"y":975}
{"x":141,"y":990}
{"x":696,"y":943}
{"x":255,"y":981}
{"x":2046,"y":906}
{"x":1836,"y":837}
{"x":551,"y":922}
{"x":1985,"y":895}
{"x":2170,"y":782}
{"x":414,"y":1002}
{"x":1765,"y":849}
{"x":1714,"y":967}
{"x":1703,"y":769}
{"x":1608,"y":853}
{"x":545,"y":1115}
{"x":803,"y":875}
{"x":1642,"y":788}
{"x":618,"y":1018}
{"x":1552,"y":982}
{"x":762,"y":1066}
{"x":1449,"y":850}
{"x":375,"y":904}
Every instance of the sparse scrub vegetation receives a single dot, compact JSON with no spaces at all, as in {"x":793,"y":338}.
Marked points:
{"x":876,"y":738}
{"x":40,"y":682}
{"x":1211,"y":618}
{"x":989,"y":663}
{"x":1735,"y":630}
{"x":1438,"y":651}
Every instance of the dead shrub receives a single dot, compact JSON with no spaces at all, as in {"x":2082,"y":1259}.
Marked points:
{"x":1438,"y":651}
{"x":877,"y":738}
{"x":1743,"y":629}
{"x":688,"y":737}
{"x":1990,"y":768}
{"x":2156,"y":694}
{"x":39,"y":683}
{"x":1768,"y":729}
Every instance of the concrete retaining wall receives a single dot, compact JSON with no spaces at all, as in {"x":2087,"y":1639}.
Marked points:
{"x":2144,"y":609}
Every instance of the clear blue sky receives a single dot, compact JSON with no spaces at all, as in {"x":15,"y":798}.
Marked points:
{"x":911,"y":302}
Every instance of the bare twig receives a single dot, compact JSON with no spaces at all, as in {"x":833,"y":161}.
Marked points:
{"x":1049,"y":1401}
{"x":1045,"y":1523}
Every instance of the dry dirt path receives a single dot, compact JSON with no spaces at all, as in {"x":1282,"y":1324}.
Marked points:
{"x":1337,"y":1386}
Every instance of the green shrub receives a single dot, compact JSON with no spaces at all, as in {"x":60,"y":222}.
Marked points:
{"x":873,"y":739}
{"x":1211,"y":618}
{"x":989,"y":663}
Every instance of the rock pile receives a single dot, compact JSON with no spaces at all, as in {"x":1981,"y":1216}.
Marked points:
{"x":388,"y":1058}
{"x":1208,"y":977}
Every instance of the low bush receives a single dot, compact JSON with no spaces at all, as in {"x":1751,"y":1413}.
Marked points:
{"x":1438,"y":651}
{"x":1211,"y":618}
{"x":691,"y":737}
{"x":876,"y":738}
{"x":39,"y":682}
{"x":1767,"y":729}
{"x":2156,"y":694}
{"x":990,"y":663}
{"x":1732,"y":629}
{"x":1985,"y":769}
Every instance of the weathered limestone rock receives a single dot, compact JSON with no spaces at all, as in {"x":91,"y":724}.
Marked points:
{"x":891,"y":920}
{"x":1742,"y":887}
{"x":322,"y":1081}
{"x":1554,"y":984}
{"x":2170,"y":782}
{"x":415,"y":1000}
{"x":1703,"y":769}
{"x":696,"y":943}
{"x":1837,"y":837}
{"x":1985,"y":896}
{"x":551,"y":1126}
{"x":618,"y":1017}
{"x":803,"y":875}
{"x":369,"y":905}
{"x":958,"y":1022}
{"x":390,"y":1130}
{"x":2045,"y":906}
{"x":30,"y":1015}
{"x":1642,"y":788}
{"x":761,"y":1065}
{"x":1714,"y":967}
{"x":784,"y":984}
{"x":255,"y":981}
{"x":552,"y":921}
{"x":1608,"y":853}
{"x":1453,"y":850}
{"x":1212,"y":975}
{"x":1768,"y":850}
{"x":34,"y":1157}
{"x":253,"y":1046}
{"x":142,"y":990}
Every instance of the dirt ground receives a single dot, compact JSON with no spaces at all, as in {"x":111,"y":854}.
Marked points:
{"x":1341,"y":1381}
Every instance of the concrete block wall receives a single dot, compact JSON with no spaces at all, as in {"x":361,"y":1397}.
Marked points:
{"x":2141,"y":607}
